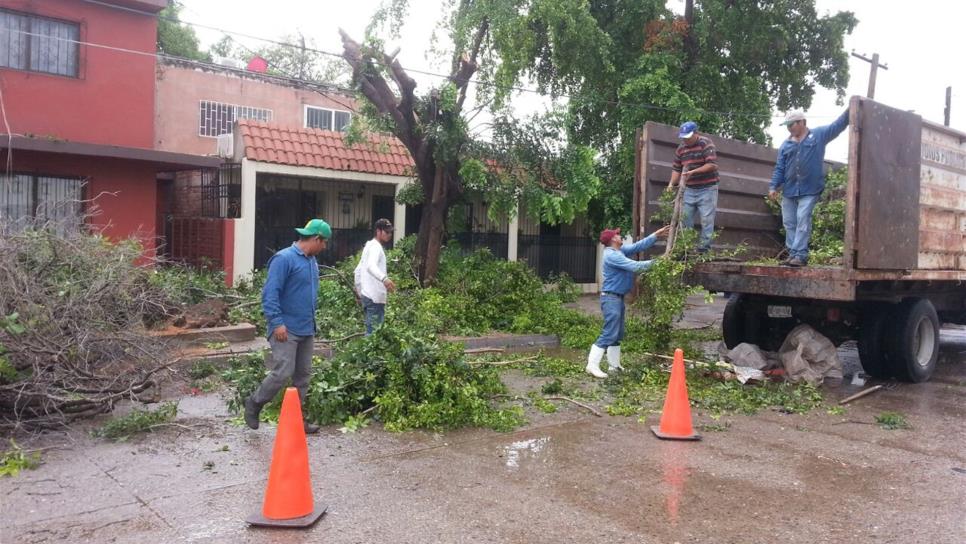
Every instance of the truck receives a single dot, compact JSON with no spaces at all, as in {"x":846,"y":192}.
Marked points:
{"x":902,"y":273}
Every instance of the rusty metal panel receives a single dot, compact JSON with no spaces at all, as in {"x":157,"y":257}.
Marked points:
{"x":825,"y":283}
{"x":745,"y":169}
{"x":942,"y":200}
{"x":887,"y":236}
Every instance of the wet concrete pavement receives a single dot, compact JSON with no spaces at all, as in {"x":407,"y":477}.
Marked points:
{"x":567,"y":477}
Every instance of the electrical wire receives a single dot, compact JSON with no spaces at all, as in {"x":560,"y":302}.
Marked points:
{"x":438,"y":75}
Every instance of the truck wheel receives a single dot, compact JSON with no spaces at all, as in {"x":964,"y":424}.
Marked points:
{"x":914,"y":340}
{"x":740,"y":322}
{"x":873,"y":351}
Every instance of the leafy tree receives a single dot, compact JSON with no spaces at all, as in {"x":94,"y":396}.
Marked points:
{"x":293,"y":56}
{"x":725,"y":64}
{"x":554,"y":44}
{"x":175,"y":38}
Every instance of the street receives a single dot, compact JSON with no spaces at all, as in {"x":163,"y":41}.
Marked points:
{"x":567,"y":477}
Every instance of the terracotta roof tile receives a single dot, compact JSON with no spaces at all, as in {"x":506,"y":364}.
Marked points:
{"x":266,"y":142}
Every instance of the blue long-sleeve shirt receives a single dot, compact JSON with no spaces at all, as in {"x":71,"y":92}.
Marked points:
{"x":291,"y":291}
{"x":798,"y":171}
{"x":619,"y":270}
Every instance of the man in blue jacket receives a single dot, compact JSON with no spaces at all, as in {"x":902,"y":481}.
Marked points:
{"x":288,"y":300}
{"x":799,"y":176}
{"x":618,"y":271}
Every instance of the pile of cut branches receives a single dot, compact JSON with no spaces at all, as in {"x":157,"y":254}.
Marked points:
{"x":74,"y":309}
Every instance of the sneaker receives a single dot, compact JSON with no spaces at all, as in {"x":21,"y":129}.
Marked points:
{"x":252,"y":411}
{"x":310,"y":428}
{"x":795,"y":262}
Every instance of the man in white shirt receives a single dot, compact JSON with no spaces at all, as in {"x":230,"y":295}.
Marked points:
{"x":371,"y":279}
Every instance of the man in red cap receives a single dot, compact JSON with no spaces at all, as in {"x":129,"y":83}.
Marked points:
{"x":618,"y":271}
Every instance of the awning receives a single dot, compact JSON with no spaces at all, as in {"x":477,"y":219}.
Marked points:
{"x":164,"y":161}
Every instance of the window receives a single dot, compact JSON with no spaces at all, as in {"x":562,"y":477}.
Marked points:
{"x":38,"y":44}
{"x":217,"y":118}
{"x":43,"y":199}
{"x":326,"y":119}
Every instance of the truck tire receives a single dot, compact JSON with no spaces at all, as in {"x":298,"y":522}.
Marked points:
{"x":740,"y":322}
{"x":914,"y":340}
{"x":873,"y":339}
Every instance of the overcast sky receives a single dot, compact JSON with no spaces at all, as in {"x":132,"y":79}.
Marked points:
{"x":920,"y":42}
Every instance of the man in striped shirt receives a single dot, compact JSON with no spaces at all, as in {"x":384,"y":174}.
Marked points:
{"x":695,"y":165}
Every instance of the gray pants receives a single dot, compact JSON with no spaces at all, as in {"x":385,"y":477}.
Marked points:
{"x":291,"y":359}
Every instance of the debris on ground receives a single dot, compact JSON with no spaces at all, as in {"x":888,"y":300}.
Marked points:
{"x":892,"y":421}
{"x":210,"y":313}
{"x":745,"y":374}
{"x":861,"y":394}
{"x":749,"y":356}
{"x":74,"y":313}
{"x":808,"y":356}
{"x":17,"y":459}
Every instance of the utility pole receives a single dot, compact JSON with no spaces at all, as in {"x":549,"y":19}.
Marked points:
{"x":875,"y":67}
{"x":949,"y":105}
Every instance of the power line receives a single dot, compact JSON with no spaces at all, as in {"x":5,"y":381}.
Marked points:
{"x":432,"y":74}
{"x":313,"y":85}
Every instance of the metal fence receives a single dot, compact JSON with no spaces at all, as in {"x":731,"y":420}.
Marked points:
{"x":469,"y":242}
{"x":344,"y":243}
{"x":221,"y":191}
{"x":551,"y":255}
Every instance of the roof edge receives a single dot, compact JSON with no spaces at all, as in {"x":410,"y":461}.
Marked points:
{"x":176,"y":161}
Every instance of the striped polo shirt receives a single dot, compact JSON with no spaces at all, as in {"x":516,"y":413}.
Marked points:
{"x":695,"y":156}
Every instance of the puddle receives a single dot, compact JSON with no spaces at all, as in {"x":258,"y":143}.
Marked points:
{"x":675,"y":471}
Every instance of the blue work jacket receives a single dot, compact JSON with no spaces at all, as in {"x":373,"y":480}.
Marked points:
{"x":798,"y":171}
{"x":619,"y":270}
{"x":291,"y":291}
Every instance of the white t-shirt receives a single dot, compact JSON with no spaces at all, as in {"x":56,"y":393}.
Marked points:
{"x":370,"y":273}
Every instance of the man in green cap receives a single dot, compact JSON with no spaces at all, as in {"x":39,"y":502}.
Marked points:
{"x":288,"y":300}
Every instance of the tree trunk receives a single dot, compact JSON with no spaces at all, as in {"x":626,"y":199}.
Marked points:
{"x":690,"y":40}
{"x":432,"y":228}
{"x":440,"y":180}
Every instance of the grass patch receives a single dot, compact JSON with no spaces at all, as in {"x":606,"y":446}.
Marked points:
{"x":714,"y":427}
{"x":122,"y":428}
{"x":892,"y":421}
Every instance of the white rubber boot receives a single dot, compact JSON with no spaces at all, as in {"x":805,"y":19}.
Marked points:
{"x":593,"y":362}
{"x":614,"y":359}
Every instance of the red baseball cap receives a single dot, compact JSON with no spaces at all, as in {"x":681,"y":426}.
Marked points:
{"x":607,"y":235}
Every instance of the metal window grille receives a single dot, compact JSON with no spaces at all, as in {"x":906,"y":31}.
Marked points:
{"x":342,"y":119}
{"x":217,"y":118}
{"x":318,"y":118}
{"x":42,"y":199}
{"x":221,"y":191}
{"x":327,"y":119}
{"x":38,"y":44}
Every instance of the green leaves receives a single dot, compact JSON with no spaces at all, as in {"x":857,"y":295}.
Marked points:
{"x":10,"y":324}
{"x":827,"y":243}
{"x":175,"y":38}
{"x":747,"y":58}
{"x":16,"y":459}
{"x":119,"y":429}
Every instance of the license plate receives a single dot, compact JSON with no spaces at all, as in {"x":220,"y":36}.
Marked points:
{"x":779,"y":311}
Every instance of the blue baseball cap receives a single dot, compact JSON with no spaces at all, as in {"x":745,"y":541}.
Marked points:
{"x":687,"y":129}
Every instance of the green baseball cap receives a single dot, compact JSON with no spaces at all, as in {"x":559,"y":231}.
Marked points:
{"x":316,"y":227}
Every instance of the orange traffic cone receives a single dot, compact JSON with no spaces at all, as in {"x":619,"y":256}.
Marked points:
{"x":676,"y":417}
{"x":288,"y":497}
